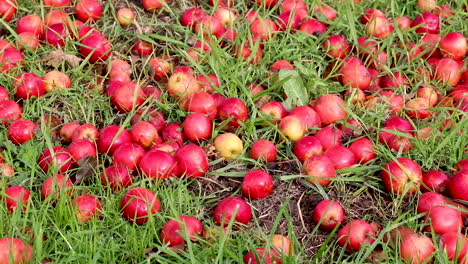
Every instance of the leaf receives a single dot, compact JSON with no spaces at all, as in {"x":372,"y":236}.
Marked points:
{"x":55,"y":59}
{"x":87,"y":169}
{"x":294,"y":89}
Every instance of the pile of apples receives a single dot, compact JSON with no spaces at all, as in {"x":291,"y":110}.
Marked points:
{"x":325,"y":139}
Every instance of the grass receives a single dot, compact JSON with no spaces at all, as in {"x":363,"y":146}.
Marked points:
{"x":57,"y":235}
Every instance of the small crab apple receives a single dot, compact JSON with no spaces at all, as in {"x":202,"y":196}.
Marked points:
{"x":319,"y":169}
{"x":292,"y":127}
{"x":66,"y":131}
{"x":125,"y":16}
{"x":85,"y":131}
{"x":88,"y":10}
{"x":54,"y":185}
{"x":138,"y":204}
{"x":306,"y":147}
{"x":175,"y":231}
{"x":263,"y":150}
{"x":328,"y":214}
{"x":354,"y":234}
{"x":257,"y":184}
{"x":17,"y":198}
{"x":235,"y":110}
{"x":153,"y":6}
{"x":275,"y":110}
{"x":87,"y":207}
{"x":192,"y":161}
{"x":21,"y":131}
{"x":416,"y":248}
{"x":232,"y":209}
{"x":116,"y":177}
{"x":228,"y":145}
{"x":402,"y":175}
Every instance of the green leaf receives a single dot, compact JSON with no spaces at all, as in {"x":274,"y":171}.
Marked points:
{"x":293,"y":88}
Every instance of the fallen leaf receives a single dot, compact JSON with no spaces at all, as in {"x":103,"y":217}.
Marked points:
{"x":55,"y":58}
{"x":87,"y":169}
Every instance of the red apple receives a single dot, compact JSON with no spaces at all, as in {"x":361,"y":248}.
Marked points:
{"x":158,"y":165}
{"x":403,"y":22}
{"x":173,"y":132}
{"x":417,"y":108}
{"x":21,"y":131}
{"x":153,"y":6}
{"x":306,"y":147}
{"x":144,"y":134}
{"x":10,"y":58}
{"x":461,"y":165}
{"x":328,"y":214}
{"x":312,"y":26}
{"x":30,"y":23}
{"x":15,"y":250}
{"x":138,"y":204}
{"x":111,"y":137}
{"x":192,"y":161}
{"x":319,"y":169}
{"x":127,"y":97}
{"x":292,"y":127}
{"x":86,"y":131}
{"x":88,"y":10}
{"x":429,"y":199}
{"x":7,"y":9}
{"x":87,"y":207}
{"x":341,"y":157}
{"x":232,"y":209}
{"x":455,"y":245}
{"x":181,"y":84}
{"x":416,"y":248}
{"x":379,"y":27}
{"x":208,"y":26}
{"x":308,"y":116}
{"x":265,"y":28}
{"x":9,"y":111}
{"x":96,"y":47}
{"x":262,"y":255}
{"x":330,"y":108}
{"x":371,"y":13}
{"x":329,"y":136}
{"x":81,"y":149}
{"x":208,"y":83}
{"x":56,"y":80}
{"x":453,"y":45}
{"x":458,"y":185}
{"x":55,"y":185}
{"x":197,"y":127}
{"x":176,"y":231}
{"x":116,"y":177}
{"x":17,"y":198}
{"x":55,"y":158}
{"x":326,"y":11}
{"x":235,"y":110}
{"x":336,"y":46}
{"x":128,"y":154}
{"x":263,"y":150}
{"x":191,"y":16}
{"x":57,"y":3}
{"x":426,"y":22}
{"x":200,"y":102}
{"x":142,"y":47}
{"x":435,"y":181}
{"x":443,"y":219}
{"x":354,"y":234}
{"x":257,"y":184}
{"x":355,"y":75}
{"x":28,"y":85}
{"x":402,"y":175}
{"x":275,"y":110}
